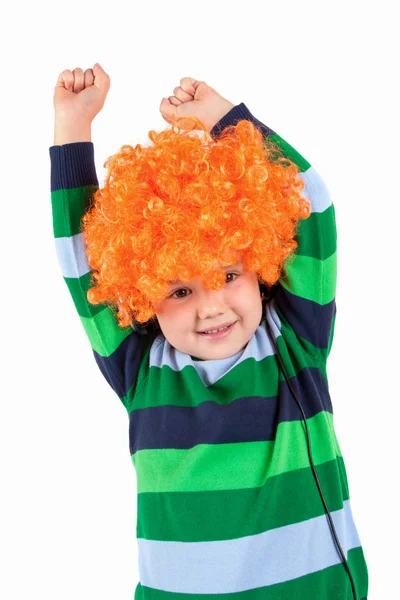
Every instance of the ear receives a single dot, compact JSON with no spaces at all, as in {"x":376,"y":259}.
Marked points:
{"x":264,"y":290}
{"x":140,"y":328}
{"x":267,"y":292}
{"x":145,"y":328}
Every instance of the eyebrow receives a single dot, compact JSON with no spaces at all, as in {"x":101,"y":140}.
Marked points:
{"x":236,"y":265}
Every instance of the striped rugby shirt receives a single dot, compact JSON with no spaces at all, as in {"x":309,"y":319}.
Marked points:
{"x":227,"y":502}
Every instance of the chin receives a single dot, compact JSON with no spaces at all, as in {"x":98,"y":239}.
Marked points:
{"x":220,"y":354}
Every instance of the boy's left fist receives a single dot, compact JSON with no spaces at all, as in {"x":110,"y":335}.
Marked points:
{"x":195,"y":99}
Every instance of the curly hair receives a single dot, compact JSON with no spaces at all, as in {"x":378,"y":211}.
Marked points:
{"x":168,"y":211}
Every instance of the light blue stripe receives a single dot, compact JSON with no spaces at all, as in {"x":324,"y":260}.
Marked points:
{"x":258,"y":347}
{"x":246,"y":563}
{"x":71,"y":255}
{"x":315,"y":191}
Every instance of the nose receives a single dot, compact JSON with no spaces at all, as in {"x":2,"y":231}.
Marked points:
{"x":211,"y":303}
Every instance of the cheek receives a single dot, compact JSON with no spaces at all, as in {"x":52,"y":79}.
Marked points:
{"x":248,"y":299}
{"x":171,"y":316}
{"x":246,"y":292}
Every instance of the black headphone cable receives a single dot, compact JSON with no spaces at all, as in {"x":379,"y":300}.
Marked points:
{"x":328,"y":514}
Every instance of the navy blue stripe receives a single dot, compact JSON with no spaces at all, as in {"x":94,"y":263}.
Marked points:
{"x":246,"y":419}
{"x":72,"y":165}
{"x":238,"y":113}
{"x":125,"y":362}
{"x":309,"y":320}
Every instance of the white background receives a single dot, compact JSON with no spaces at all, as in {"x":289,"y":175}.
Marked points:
{"x":321,"y":74}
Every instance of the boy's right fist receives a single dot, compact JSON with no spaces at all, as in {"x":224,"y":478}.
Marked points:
{"x":81,"y":95}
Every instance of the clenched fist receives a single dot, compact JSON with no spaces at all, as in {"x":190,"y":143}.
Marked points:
{"x":81,"y":94}
{"x":195,"y":99}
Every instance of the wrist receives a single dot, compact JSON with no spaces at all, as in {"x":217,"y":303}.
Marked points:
{"x":68,"y":130}
{"x":223,"y":109}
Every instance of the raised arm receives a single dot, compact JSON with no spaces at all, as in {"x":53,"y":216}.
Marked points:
{"x":305,"y":299}
{"x":118,"y":352}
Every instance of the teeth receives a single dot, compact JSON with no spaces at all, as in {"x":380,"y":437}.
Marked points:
{"x":215,"y":330}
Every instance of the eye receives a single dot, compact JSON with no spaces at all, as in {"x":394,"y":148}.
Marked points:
{"x":173,"y":295}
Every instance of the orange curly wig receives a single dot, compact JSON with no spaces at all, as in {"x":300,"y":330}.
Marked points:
{"x":170,"y":210}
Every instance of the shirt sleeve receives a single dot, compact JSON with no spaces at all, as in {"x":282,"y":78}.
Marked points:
{"x":117,"y":351}
{"x":305,"y":294}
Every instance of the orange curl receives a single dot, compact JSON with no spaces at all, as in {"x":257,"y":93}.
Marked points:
{"x":174,"y":209}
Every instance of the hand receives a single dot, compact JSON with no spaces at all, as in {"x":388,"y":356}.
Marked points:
{"x":195,"y":99}
{"x":81,"y":95}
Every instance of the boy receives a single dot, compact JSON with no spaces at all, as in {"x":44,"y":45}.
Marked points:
{"x":227,"y":502}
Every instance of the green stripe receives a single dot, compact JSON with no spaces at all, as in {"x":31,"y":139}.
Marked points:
{"x":233,"y":385}
{"x":298,"y":346}
{"x":78,"y":287}
{"x":316,"y":236}
{"x":289,"y":152}
{"x":68,"y":207}
{"x":311,"y":271}
{"x":103,"y":332}
{"x":328,"y":584}
{"x":221,"y":514}
{"x":311,"y":278}
{"x":237,"y":465}
{"x":99,"y":320}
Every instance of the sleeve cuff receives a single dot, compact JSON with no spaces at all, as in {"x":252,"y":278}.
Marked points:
{"x":72,"y":165}
{"x":239,"y":113}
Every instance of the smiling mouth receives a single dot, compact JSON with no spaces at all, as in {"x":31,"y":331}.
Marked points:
{"x":219,"y":327}
{"x":218,"y":334}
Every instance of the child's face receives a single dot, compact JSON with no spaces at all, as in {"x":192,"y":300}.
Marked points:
{"x":190,"y":308}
